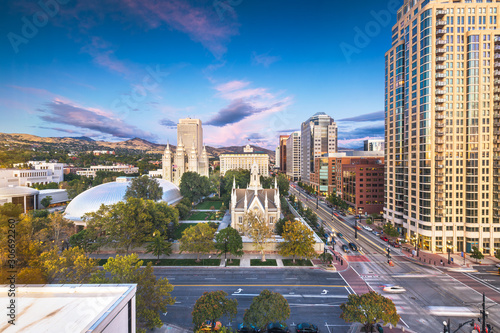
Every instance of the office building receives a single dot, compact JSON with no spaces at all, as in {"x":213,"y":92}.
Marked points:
{"x":277,"y":158}
{"x":318,"y":137}
{"x":442,"y":116}
{"x":283,"y":152}
{"x":92,"y":171}
{"x":245,"y":160}
{"x":293,"y":156}
{"x":374,"y":145}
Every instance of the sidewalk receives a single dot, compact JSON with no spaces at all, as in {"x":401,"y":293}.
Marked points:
{"x":441,"y":259}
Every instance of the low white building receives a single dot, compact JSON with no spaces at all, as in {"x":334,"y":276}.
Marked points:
{"x":91,"y":172}
{"x":27,"y":197}
{"x":38,"y":173}
{"x":59,"y":196}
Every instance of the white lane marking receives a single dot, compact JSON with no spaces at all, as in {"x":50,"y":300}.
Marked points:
{"x":251,"y":278}
{"x":297,"y":296}
{"x":238,"y":291}
{"x":348,"y":290}
{"x":290,"y":278}
{"x":401,"y":319}
{"x":210,"y":278}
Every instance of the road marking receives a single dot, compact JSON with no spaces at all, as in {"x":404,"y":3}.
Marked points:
{"x":486,"y":284}
{"x":297,"y":296}
{"x":210,"y":278}
{"x":291,"y":279}
{"x":238,"y":291}
{"x":260,"y":285}
{"x":251,"y":278}
{"x":324,"y":292}
{"x":348,"y":290}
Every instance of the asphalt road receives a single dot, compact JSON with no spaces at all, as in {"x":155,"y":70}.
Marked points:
{"x":313,"y":295}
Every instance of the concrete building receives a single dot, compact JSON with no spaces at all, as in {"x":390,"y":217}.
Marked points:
{"x":282,"y":154}
{"x":20,"y":195}
{"x":33,"y":172}
{"x":245,"y":161}
{"x":58,"y":197}
{"x":190,"y":155}
{"x":293,"y":156}
{"x":105,"y":308}
{"x":254,"y":199}
{"x":442,"y":117}
{"x":374,"y":145}
{"x":318,"y":137}
{"x":277,"y":158}
{"x":92,"y":171}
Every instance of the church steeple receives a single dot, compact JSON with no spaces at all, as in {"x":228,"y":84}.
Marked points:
{"x":255,"y":177}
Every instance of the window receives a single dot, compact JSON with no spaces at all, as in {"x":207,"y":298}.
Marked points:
{"x":240,"y":219}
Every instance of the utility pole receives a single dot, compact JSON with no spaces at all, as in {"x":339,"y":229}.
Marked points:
{"x":356,"y":229}
{"x":483,"y":314}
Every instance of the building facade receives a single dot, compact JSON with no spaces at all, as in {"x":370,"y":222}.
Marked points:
{"x":38,"y":173}
{"x":293,"y":156}
{"x":374,"y":145}
{"x":442,"y":117}
{"x":245,"y":161}
{"x":318,"y":137}
{"x":190,"y":155}
{"x":265,"y":202}
{"x":277,"y":158}
{"x":92,"y":171}
{"x":283,"y":153}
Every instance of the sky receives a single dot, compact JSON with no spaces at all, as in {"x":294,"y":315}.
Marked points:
{"x":249,"y":69}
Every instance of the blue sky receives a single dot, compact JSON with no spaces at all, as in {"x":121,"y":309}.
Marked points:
{"x":118,"y":69}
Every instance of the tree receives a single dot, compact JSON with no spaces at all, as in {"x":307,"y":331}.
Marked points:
{"x":255,"y":225}
{"x":159,"y":246}
{"x":369,"y":309}
{"x":228,"y":240}
{"x":70,"y":266}
{"x":213,"y":306}
{"x":497,"y":254}
{"x":144,"y":187}
{"x":194,"y":186}
{"x":215,"y":180}
{"x":266,"y":308}
{"x":183,"y":210}
{"x":299,"y":241}
{"x":85,"y":240}
{"x":198,"y":239}
{"x":476,"y":254}
{"x":152,"y":295}
{"x":283,"y":184}
{"x":278,"y":227}
{"x":77,"y":186}
{"x":390,"y":230}
{"x":46,"y":201}
{"x":59,"y":228}
{"x":326,"y":257}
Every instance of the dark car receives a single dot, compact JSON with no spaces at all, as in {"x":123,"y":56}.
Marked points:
{"x":242,"y":328}
{"x":277,"y":327}
{"x":394,"y":244}
{"x":353,"y":246}
{"x":345,"y":248}
{"x":307,"y":328}
{"x":339,"y":235}
{"x":329,"y":205}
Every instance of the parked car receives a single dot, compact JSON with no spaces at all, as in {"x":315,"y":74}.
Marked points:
{"x":307,"y":328}
{"x":242,"y":328}
{"x":385,"y":239}
{"x":357,"y":227}
{"x":339,"y":235}
{"x":277,"y":327}
{"x":345,"y":248}
{"x":353,"y":246}
{"x":394,"y":244}
{"x":329,"y":205}
{"x":343,"y":214}
{"x":393,"y":289}
{"x":367,"y":228}
{"x":376,"y":233}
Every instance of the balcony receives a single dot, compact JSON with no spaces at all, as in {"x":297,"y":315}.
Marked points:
{"x":496,"y":149}
{"x":440,"y":42}
{"x":440,"y":92}
{"x":496,"y":81}
{"x":497,"y":64}
{"x":440,"y":100}
{"x":497,"y":39}
{"x":440,"y":133}
{"x":440,"y":51}
{"x":438,"y":215}
{"x":497,"y":56}
{"x":496,"y":99}
{"x":440,"y":23}
{"x":440,"y":125}
{"x":439,"y":199}
{"x":439,"y":158}
{"x":439,"y":191}
{"x":439,"y":207}
{"x":439,"y":166}
{"x":440,"y":67}
{"x":439,"y":150}
{"x":440,"y":108}
{"x":496,"y":90}
{"x":439,"y":142}
{"x":496,"y":123}
{"x":440,"y":59}
{"x":440,"y":117}
{"x":497,"y":73}
{"x":496,"y":132}
{"x":440,"y":32}
{"x":441,"y":76}
{"x":496,"y":141}
{"x":440,"y":12}
{"x":440,"y":83}
{"x":439,"y":174}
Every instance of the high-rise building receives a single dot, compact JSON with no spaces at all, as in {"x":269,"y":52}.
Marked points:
{"x":283,"y":152}
{"x":293,"y":156}
{"x":374,"y":145}
{"x":190,"y":154}
{"x":442,"y":114}
{"x":277,"y":158}
{"x":318,"y":137}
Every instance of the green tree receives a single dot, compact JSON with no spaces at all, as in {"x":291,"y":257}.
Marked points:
{"x":197,"y":239}
{"x":255,"y":225}
{"x":283,"y":184}
{"x":228,"y":240}
{"x":46,"y":201}
{"x":77,"y":186}
{"x":159,"y":246}
{"x":215,"y":182}
{"x":49,"y":186}
{"x":368,"y":309}
{"x":278,"y":227}
{"x":85,"y":240}
{"x":476,"y":254}
{"x":241,"y":177}
{"x":298,"y":241}
{"x":497,"y":254}
{"x":194,"y":186}
{"x":183,"y":210}
{"x":266,"y":308}
{"x":69,"y":266}
{"x":266,"y":182}
{"x":390,"y":230}
{"x":153,"y":295}
{"x":144,"y":187}
{"x":326,"y":257}
{"x":213,"y":306}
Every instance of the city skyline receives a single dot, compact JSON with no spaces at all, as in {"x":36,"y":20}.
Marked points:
{"x":86,"y":72}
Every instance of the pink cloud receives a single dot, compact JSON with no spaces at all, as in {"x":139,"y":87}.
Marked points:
{"x":231,"y":86}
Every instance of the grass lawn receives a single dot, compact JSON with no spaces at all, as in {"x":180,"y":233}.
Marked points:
{"x":209,"y":205}
{"x":268,"y":262}
{"x":181,"y":228}
{"x":298,"y":262}
{"x":176,"y":262}
{"x":198,"y":216}
{"x":236,"y":262}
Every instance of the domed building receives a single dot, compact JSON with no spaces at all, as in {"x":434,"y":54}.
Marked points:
{"x":109,"y":194}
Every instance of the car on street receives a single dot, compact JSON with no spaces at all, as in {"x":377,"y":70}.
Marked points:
{"x":242,"y":328}
{"x":357,"y":227}
{"x":339,"y":235}
{"x":497,"y":265}
{"x":391,"y":289}
{"x":394,"y":244}
{"x":307,"y":328}
{"x":343,"y":214}
{"x":367,"y":228}
{"x":385,"y":239}
{"x":329,"y":205}
{"x":376,"y":233}
{"x":345,"y":248}
{"x":353,"y":246}
{"x":277,"y":327}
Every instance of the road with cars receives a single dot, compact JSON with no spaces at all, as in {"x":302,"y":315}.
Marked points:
{"x":432,"y":294}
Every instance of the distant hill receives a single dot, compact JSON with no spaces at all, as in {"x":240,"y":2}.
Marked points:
{"x":28,"y":141}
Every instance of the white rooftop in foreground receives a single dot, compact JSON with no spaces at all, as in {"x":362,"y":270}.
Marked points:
{"x":71,"y":308}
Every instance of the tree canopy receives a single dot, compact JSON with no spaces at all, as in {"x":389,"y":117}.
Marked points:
{"x":194,"y":186}
{"x":476,"y":254}
{"x":266,"y":308}
{"x":46,"y":201}
{"x":298,"y":241}
{"x":228,"y":240}
{"x":198,"y":239}
{"x":159,"y":246}
{"x":369,"y":309}
{"x":283,"y":184}
{"x":255,"y":225}
{"x":213,"y":306}
{"x":144,"y":187}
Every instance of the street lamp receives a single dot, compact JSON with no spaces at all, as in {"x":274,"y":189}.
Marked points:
{"x":448,"y":247}
{"x":356,"y":229}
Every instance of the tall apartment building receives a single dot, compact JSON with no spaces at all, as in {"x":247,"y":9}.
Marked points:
{"x":277,"y":158}
{"x":373,"y":145}
{"x":442,"y":116}
{"x":293,"y":156}
{"x":318,"y":137}
{"x":283,"y":152}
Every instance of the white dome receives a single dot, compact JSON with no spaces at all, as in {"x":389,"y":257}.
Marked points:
{"x":111,"y":193}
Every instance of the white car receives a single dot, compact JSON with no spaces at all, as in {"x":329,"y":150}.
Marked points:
{"x":367,"y":228}
{"x":393,"y":289}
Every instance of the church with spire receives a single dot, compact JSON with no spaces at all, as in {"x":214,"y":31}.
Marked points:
{"x":190,"y":155}
{"x":255,"y":199}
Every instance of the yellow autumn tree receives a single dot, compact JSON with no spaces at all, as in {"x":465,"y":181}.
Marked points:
{"x":298,"y":241}
{"x":257,"y":228}
{"x":198,"y":239}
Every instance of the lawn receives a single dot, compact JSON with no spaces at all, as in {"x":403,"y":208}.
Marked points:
{"x":209,"y":205}
{"x":199,"y":216}
{"x":298,"y":262}
{"x":181,"y":228}
{"x":236,"y":262}
{"x":268,"y":262}
{"x":176,"y":262}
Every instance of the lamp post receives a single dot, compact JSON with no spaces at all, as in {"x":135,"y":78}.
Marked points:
{"x":356,"y":229}
{"x":448,"y":247}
